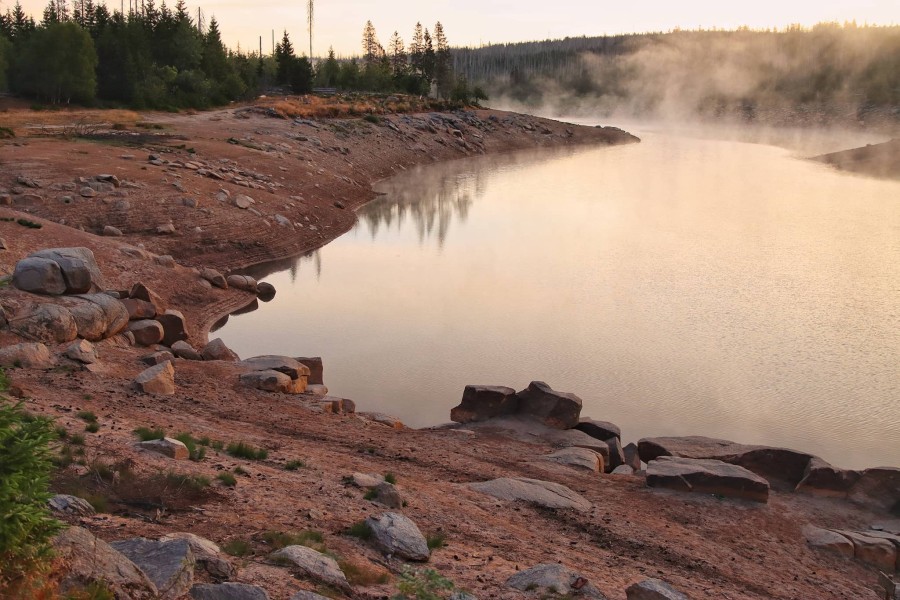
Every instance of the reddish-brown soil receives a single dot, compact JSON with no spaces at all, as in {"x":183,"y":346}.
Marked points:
{"x":708,"y":548}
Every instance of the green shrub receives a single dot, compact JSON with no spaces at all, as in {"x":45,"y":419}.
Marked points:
{"x":424,"y":584}
{"x":227,"y":479}
{"x":93,"y":427}
{"x":309,"y":538}
{"x":145,"y":434}
{"x":242,"y":450}
{"x":390,"y":478}
{"x":293,"y":465}
{"x":25,"y":465}
{"x":196,"y":451}
{"x":87,"y":416}
{"x":96,"y":590}
{"x":188,"y":483}
{"x":61,"y":432}
{"x":370,"y":494}
{"x":76,"y":439}
{"x":236,"y":547}
{"x":372,"y":119}
{"x":360,"y":530}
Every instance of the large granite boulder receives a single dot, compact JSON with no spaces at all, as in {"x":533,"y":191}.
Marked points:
{"x":653,"y":589}
{"x":46,"y":323}
{"x":616,"y":454}
{"x":169,"y":564}
{"x":555,"y":580}
{"x":79,"y":268}
{"x":159,"y":379}
{"x":174,"y":326}
{"x":560,"y":410}
{"x":242,"y":282}
{"x":602,"y":430}
{"x":139,"y":309}
{"x":632,"y":456}
{"x":534,"y":491}
{"x":228,"y":591}
{"x":207,"y":554}
{"x":483,"y":402}
{"x":29,"y":355}
{"x":316,"y":369}
{"x":825,"y":539}
{"x":283,"y":364}
{"x":97,"y":316}
{"x":707,"y":477}
{"x":581,"y":458}
{"x":267,"y":381}
{"x":313,"y":565}
{"x":39,"y":276}
{"x":142,"y":292}
{"x":90,"y":560}
{"x":527,"y":429}
{"x":398,"y":535}
{"x":878,"y":488}
{"x":146,"y":332}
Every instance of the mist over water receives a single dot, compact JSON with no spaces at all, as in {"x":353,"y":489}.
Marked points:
{"x":682,"y":286}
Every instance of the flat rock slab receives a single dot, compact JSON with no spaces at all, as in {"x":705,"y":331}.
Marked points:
{"x":71,"y":505}
{"x":528,"y":429}
{"x":268,"y":381}
{"x":653,"y":589}
{"x":825,"y":539}
{"x":89,"y":560}
{"x":228,"y":591}
{"x":602,"y":430}
{"x":367,"y":480}
{"x":397,"y":535}
{"x":169,"y":565}
{"x":535,"y":491}
{"x":283,"y":364}
{"x":314,"y":565}
{"x":708,"y":477}
{"x":555,"y":579}
{"x":581,"y":458}
{"x":878,"y":552}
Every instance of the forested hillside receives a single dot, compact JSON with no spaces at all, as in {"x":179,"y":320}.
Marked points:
{"x":827,"y":71}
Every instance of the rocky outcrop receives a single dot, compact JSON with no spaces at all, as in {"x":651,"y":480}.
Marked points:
{"x":71,"y":505}
{"x":39,"y":276}
{"x":581,"y":458}
{"x":824,"y":539}
{"x":242,"y":282}
{"x":397,"y":535}
{"x":616,"y":454}
{"x":29,"y":355}
{"x":157,"y":380}
{"x":559,"y":410}
{"x":878,"y":488}
{"x":527,"y":429}
{"x":707,"y":477}
{"x":876,"y":551}
{"x":46,"y":323}
{"x":632,"y":456}
{"x":139,"y":309}
{"x":167,"y":447}
{"x":207,"y":554}
{"x":140,"y":291}
{"x":79,"y":268}
{"x":228,"y":591}
{"x":386,"y":494}
{"x":146,"y":332}
{"x":653,"y":589}
{"x":284,"y":364}
{"x":267,"y":381}
{"x":275,"y":374}
{"x":602,"y":430}
{"x":484,"y":402}
{"x":543,"y":493}
{"x":169,"y":564}
{"x":316,"y":369}
{"x":313,"y":565}
{"x":554,"y":579}
{"x":97,"y":316}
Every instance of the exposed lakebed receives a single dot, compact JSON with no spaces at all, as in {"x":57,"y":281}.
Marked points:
{"x":680,"y":286}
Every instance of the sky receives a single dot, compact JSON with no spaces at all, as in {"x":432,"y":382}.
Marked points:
{"x":339,"y":23}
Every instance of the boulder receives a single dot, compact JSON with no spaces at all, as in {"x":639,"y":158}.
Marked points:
{"x":182,"y":349}
{"x":543,"y":493}
{"x":366,"y":480}
{"x":632,"y":456}
{"x":165,"y":229}
{"x":97,"y":316}
{"x":316,"y":369}
{"x":822,"y":479}
{"x":878,"y":488}
{"x":242,"y":282}
{"x":214,"y":277}
{"x":157,"y":380}
{"x":28,"y":355}
{"x":142,"y":292}
{"x":622,"y":470}
{"x":266,"y":291}
{"x":79,"y":268}
{"x":554,"y":579}
{"x":169,"y":565}
{"x":653,"y":589}
{"x":90,"y":560}
{"x":581,"y":458}
{"x":228,"y":591}
{"x":207,"y":554}
{"x":484,"y":402}
{"x":267,"y":381}
{"x":616,"y":454}
{"x":387,"y":495}
{"x":876,"y":551}
{"x":217,"y":350}
{"x":778,"y":465}
{"x":398,"y":535}
{"x":242,"y":201}
{"x":82,"y":351}
{"x":174,"y":326}
{"x":825,"y":539}
{"x":559,"y":410}
{"x":529,"y":429}
{"x":157,"y":358}
{"x":282,"y":364}
{"x":139,"y":309}
{"x":39,"y":276}
{"x":46,"y":323}
{"x":317,"y":390}
{"x":313,"y":565}
{"x":146,"y":332}
{"x":602,"y":430}
{"x":167,"y":447}
{"x":708,"y":477}
{"x":110,"y":231}
{"x":71,"y":505}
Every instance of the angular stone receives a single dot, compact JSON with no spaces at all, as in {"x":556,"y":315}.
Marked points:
{"x":242,"y":201}
{"x":169,"y":565}
{"x":878,"y":488}
{"x":543,"y":493}
{"x":29,"y":355}
{"x":184,"y":350}
{"x":142,"y":292}
{"x":483,"y":402}
{"x":46,"y":323}
{"x":139,"y":309}
{"x":165,"y":229}
{"x":825,"y":539}
{"x":559,"y":410}
{"x":616,"y":454}
{"x":317,"y":390}
{"x":554,"y":579}
{"x":395,"y":534}
{"x":708,"y":477}
{"x":71,"y":505}
{"x":79,"y":268}
{"x":217,"y":350}
{"x":174,"y":326}
{"x":367,"y":480}
{"x":382,"y":419}
{"x":581,"y":458}
{"x":875,"y":551}
{"x":267,"y":381}
{"x":282,"y":364}
{"x":167,"y":447}
{"x":653,"y":589}
{"x":214,"y":277}
{"x":157,"y":358}
{"x":90,"y":560}
{"x":82,"y":351}
{"x":206,"y":553}
{"x":39,"y":276}
{"x":316,"y":368}
{"x":314,"y":565}
{"x":632,"y":456}
{"x":822,"y":479}
{"x":157,"y":380}
{"x":387,"y":495}
{"x":228,"y":591}
{"x":146,"y":332}
{"x":602,"y":430}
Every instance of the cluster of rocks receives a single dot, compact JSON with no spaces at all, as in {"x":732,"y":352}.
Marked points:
{"x":246,"y":283}
{"x":878,"y":546}
{"x":223,"y":170}
{"x":557,"y":580}
{"x":25,"y":190}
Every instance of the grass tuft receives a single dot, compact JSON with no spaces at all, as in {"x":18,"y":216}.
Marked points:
{"x":244,"y":450}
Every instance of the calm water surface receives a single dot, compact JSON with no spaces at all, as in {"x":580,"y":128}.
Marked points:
{"x":680,"y":286}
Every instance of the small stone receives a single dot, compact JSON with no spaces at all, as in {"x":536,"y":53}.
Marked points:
{"x":184,"y":350}
{"x":146,"y":332}
{"x":397,"y":535}
{"x":214,"y":277}
{"x":366,"y":480}
{"x":242,"y":201}
{"x":110,"y":231}
{"x":82,"y":351}
{"x":217,"y":350}
{"x":165,"y":229}
{"x":653,"y":589}
{"x":157,"y":380}
{"x":167,"y":447}
{"x":157,"y":358}
{"x":87,"y":192}
{"x":71,"y":505}
{"x":314,"y":565}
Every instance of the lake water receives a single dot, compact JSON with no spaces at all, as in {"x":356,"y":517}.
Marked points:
{"x":681,"y":286}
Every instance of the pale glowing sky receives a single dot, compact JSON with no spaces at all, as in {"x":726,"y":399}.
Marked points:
{"x":339,"y":23}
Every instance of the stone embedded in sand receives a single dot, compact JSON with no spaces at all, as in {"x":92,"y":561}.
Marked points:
{"x":167,"y":447}
{"x":708,"y":477}
{"x":87,"y":192}
{"x":268,"y":381}
{"x":147,"y":332}
{"x":89,"y":560}
{"x":217,"y":350}
{"x":157,"y":380}
{"x":653,"y":589}
{"x":387,"y":495}
{"x":581,"y":458}
{"x":314,"y":565}
{"x":554,"y":579}
{"x":398,"y":535}
{"x":367,"y":480}
{"x":39,"y":276}
{"x":174,"y":326}
{"x":29,"y":355}
{"x":71,"y":505}
{"x":826,"y":539}
{"x":316,"y":368}
{"x":214,"y":277}
{"x":46,"y":323}
{"x":182,"y":349}
{"x":559,"y":410}
{"x":82,"y":351}
{"x":228,"y":591}
{"x":283,"y":364}
{"x":622,"y":470}
{"x":483,"y":402}
{"x":543,"y":493}
{"x":139,"y":309}
{"x":169,"y":565}
{"x":602,"y":430}
{"x":110,"y":231}
{"x":242,"y":201}
{"x":876,"y":551}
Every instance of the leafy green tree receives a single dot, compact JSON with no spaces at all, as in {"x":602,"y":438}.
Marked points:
{"x":57,"y":63}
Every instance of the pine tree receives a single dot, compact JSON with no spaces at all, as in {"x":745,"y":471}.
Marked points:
{"x":428,"y":59}
{"x":329,"y":71}
{"x":399,"y":65}
{"x":417,"y":51}
{"x":284,"y":57}
{"x":443,"y":66}
{"x":370,"y":44}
